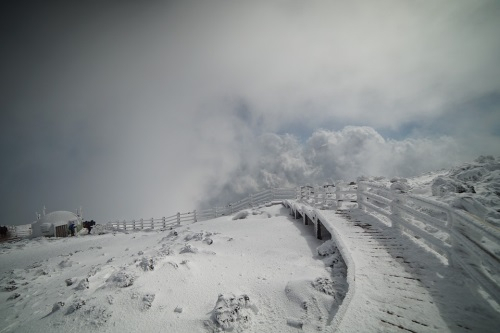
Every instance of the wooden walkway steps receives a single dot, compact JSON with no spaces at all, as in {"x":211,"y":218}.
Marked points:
{"x":394,"y":284}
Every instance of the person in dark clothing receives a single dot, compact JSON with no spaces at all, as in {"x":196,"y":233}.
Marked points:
{"x":88,"y":225}
{"x":72,"y":228}
{"x":4,"y":231}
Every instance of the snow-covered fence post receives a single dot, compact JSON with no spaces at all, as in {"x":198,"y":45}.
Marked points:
{"x":152,"y":223}
{"x":133,"y":224}
{"x":178,"y":218}
{"x":194,"y":216}
{"x":124,"y":225}
{"x":397,"y":200}
{"x":338,"y":195}
{"x":164,"y":222}
{"x":142,"y":224}
{"x":215,"y":212}
{"x":360,"y":195}
{"x":454,"y":244}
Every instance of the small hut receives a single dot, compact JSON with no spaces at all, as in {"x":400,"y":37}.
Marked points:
{"x":55,"y":224}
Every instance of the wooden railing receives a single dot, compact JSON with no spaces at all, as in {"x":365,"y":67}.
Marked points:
{"x":267,"y":196}
{"x":17,"y":231}
{"x":465,"y":240}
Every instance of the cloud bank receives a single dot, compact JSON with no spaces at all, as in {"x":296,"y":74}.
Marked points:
{"x":329,"y":156}
{"x":143,"y":109}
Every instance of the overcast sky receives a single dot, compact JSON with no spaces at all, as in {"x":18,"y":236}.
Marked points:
{"x":144,"y":108}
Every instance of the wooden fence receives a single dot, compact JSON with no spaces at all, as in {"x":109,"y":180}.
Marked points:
{"x":465,"y":240}
{"x":274,"y":195}
{"x":18,"y":231}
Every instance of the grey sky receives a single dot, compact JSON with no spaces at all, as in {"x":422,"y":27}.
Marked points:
{"x":141,"y":109}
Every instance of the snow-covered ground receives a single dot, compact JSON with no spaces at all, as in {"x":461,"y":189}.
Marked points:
{"x":257,"y":274}
{"x":256,"y":271}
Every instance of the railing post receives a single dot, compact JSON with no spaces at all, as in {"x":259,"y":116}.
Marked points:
{"x":152,"y":223}
{"x":133,"y":224}
{"x":164,"y":222}
{"x":451,"y":227}
{"x":397,"y":199}
{"x":179,"y":218}
{"x":124,"y":225}
{"x":338,"y":195}
{"x":194,"y":215}
{"x":359,"y":194}
{"x":142,"y":224}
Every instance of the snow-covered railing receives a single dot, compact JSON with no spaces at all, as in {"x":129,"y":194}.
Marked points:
{"x":253,"y":200}
{"x":161,"y":223}
{"x":462,"y":238}
{"x":18,"y":231}
{"x":326,"y":196}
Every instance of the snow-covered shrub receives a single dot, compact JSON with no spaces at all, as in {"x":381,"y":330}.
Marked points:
{"x":57,"y":306}
{"x":147,"y":301}
{"x":14,"y":296}
{"x":197,"y":236}
{"x":147,"y":264}
{"x":76,"y":305}
{"x":188,"y":249}
{"x":233,"y":312}
{"x":121,"y":279}
{"x":240,"y":215}
{"x":324,"y":285}
{"x":400,"y":185}
{"x":65,"y":263}
{"x":84,"y":284}
{"x":328,"y":247}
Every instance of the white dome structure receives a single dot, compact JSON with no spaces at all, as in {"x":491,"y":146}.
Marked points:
{"x":55,"y":224}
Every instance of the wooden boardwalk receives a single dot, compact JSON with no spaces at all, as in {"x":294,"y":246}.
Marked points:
{"x":394,"y":284}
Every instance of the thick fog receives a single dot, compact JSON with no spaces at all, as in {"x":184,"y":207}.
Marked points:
{"x":142,"y":109}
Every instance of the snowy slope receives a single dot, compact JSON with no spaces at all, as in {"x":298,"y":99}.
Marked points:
{"x":258,"y":272}
{"x":265,"y":268}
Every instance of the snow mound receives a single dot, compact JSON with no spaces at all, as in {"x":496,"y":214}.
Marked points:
{"x":121,"y":279}
{"x":232,"y":313}
{"x":147,"y":264}
{"x":188,"y":249}
{"x":324,"y":285}
{"x":241,"y":215}
{"x":473,"y":187}
{"x":313,"y":306}
{"x":327,"y":248}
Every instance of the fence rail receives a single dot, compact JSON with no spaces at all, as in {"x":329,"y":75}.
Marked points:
{"x":465,"y":240}
{"x":462,"y":238}
{"x":18,"y":231}
{"x":253,"y":200}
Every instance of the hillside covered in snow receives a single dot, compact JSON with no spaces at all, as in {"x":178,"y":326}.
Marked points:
{"x":259,"y":270}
